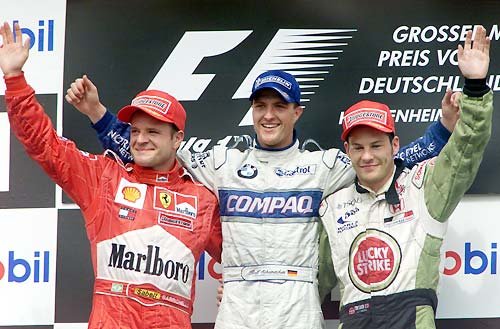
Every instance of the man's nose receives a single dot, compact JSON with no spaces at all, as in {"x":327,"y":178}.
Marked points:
{"x":141,"y":137}
{"x":366,"y":155}
{"x":269,"y":112}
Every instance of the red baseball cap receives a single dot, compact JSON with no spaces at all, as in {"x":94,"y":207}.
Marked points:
{"x":159,"y":105}
{"x":368,"y":113}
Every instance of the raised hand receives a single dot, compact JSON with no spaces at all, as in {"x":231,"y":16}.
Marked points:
{"x":474,"y":56}
{"x":13,"y":52}
{"x":83,"y":95}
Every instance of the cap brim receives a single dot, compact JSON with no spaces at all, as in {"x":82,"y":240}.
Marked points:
{"x":373,"y":125}
{"x":126,"y":113}
{"x":273,"y":87}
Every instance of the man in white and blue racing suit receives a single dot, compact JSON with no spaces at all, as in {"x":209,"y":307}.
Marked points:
{"x":269,"y":197}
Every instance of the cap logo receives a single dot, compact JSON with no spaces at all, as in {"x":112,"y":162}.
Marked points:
{"x":157,"y":104}
{"x":366,"y":114}
{"x":273,"y":78}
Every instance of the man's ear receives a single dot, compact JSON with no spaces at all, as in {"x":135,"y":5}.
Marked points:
{"x":178,"y":138}
{"x":298,"y":112}
{"x":395,"y":145}
{"x":346,"y":147}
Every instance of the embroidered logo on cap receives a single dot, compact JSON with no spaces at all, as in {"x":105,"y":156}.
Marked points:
{"x":273,"y":78}
{"x":366,"y":114}
{"x":157,"y":104}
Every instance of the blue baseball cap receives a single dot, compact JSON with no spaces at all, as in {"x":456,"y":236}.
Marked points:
{"x":284,"y":83}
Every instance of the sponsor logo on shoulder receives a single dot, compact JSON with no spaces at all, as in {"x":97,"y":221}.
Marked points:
{"x":298,"y":170}
{"x":248,"y":171}
{"x":418,"y":176}
{"x":343,"y":158}
{"x":198,"y":159}
{"x":131,"y":194}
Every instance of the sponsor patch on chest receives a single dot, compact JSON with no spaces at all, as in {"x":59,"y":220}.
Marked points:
{"x":278,"y":204}
{"x":401,"y":218}
{"x":176,"y":209}
{"x":347,"y":221}
{"x":131,"y":194}
{"x":374,"y":260}
{"x":297,"y":170}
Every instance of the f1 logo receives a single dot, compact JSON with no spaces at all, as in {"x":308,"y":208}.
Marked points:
{"x":308,"y":54}
{"x":4,"y":152}
{"x":176,"y":74}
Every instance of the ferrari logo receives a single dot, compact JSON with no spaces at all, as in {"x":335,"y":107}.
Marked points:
{"x":166,"y":199}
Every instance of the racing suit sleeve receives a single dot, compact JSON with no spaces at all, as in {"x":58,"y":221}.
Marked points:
{"x":327,"y":279}
{"x":214,"y":244}
{"x":455,"y":168}
{"x":77,"y":172}
{"x":202,"y":165}
{"x":425,"y":147}
{"x":114,"y":135}
{"x":341,"y":173}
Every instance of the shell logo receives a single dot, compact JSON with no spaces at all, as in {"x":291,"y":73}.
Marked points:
{"x":131,"y":193}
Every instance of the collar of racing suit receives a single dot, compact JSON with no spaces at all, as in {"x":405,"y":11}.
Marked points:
{"x":390,"y":195}
{"x":154,"y":177}
{"x":258,"y":146}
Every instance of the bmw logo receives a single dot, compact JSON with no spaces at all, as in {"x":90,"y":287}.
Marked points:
{"x":247,"y":171}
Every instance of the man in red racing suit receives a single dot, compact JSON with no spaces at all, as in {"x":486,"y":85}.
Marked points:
{"x":146,"y":227}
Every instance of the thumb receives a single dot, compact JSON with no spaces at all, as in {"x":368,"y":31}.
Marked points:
{"x":447,"y":98}
{"x":88,"y":84}
{"x":455,"y":97}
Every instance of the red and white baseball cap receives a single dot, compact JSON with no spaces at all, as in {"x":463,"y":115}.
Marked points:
{"x":368,"y":113}
{"x":158,"y":104}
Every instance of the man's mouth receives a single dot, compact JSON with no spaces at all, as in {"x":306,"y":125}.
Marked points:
{"x":270,"y":125}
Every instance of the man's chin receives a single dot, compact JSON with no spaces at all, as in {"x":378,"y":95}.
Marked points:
{"x":268,"y":141}
{"x":141,"y":161}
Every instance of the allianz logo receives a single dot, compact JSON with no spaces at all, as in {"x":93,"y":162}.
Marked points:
{"x":298,"y":170}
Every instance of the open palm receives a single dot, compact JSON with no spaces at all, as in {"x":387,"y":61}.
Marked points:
{"x":13,"y":53}
{"x":473,"y":57}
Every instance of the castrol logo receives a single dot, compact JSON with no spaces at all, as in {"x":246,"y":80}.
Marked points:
{"x":374,"y":260}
